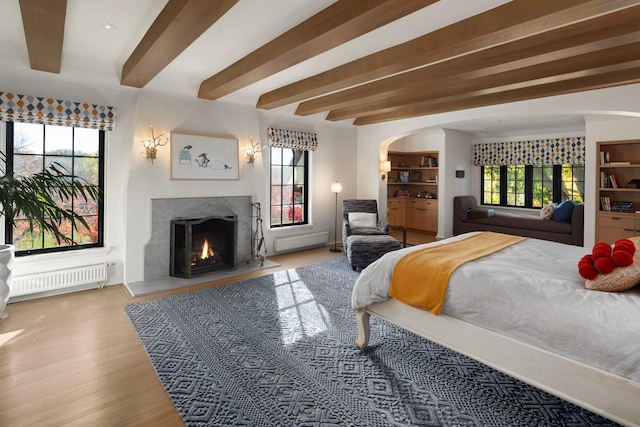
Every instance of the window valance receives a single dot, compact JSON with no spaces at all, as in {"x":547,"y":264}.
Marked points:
{"x":296,"y":140}
{"x":553,"y":151}
{"x":48,"y":111}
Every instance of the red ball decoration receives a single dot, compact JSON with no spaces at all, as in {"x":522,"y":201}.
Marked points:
{"x":601,"y":245}
{"x":604,"y":265}
{"x":586,"y":260}
{"x":587,"y":271}
{"x":621,"y":258}
{"x":625,"y":245}
{"x":601,"y":253}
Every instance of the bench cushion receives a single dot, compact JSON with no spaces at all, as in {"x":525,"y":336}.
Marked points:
{"x":526,"y":222}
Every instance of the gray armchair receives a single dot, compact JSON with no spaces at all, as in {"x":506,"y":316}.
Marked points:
{"x":360,"y":205}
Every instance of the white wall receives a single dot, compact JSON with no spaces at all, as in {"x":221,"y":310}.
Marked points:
{"x":333,"y":160}
{"x":597,"y":106}
{"x":20,"y":79}
{"x":347,"y":154}
{"x":457,"y":156}
{"x":132,"y":181}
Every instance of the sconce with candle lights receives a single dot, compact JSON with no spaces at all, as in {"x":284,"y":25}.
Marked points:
{"x":385,"y":168}
{"x":252,"y":151}
{"x":151,"y":145}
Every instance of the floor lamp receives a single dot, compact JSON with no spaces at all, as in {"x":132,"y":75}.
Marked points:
{"x":336,"y":187}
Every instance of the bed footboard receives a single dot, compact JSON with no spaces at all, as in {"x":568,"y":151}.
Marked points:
{"x":363,"y":317}
{"x":599,"y":391}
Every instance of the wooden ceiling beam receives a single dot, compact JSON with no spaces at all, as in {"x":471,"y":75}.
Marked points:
{"x":620,"y":75}
{"x":591,"y":35}
{"x":43,"y":22}
{"x":344,"y":20}
{"x":453,"y":85}
{"x":178,"y":25}
{"x":511,"y":21}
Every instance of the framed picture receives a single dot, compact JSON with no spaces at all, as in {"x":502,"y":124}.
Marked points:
{"x":199,"y":157}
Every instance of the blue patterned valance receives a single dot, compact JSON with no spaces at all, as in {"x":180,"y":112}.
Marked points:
{"x":48,"y":111}
{"x":296,"y":140}
{"x":553,"y":151}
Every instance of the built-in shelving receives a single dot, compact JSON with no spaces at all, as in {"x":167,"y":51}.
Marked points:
{"x":412,"y":187}
{"x":618,"y":170}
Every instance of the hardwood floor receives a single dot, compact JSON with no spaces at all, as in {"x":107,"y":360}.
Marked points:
{"x":75,"y":359}
{"x":414,"y":237}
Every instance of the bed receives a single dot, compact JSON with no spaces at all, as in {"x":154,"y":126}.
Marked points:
{"x":531,"y":318}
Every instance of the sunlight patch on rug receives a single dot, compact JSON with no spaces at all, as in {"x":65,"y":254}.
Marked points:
{"x":278,"y":350}
{"x":300,"y":314}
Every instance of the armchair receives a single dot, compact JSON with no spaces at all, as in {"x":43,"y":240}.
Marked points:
{"x":376,"y":227}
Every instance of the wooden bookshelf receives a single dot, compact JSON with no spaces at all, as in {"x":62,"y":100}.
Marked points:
{"x":412,"y":186}
{"x":618,"y":167}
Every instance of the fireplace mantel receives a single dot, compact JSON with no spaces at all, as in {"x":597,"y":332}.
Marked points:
{"x":157,"y":251}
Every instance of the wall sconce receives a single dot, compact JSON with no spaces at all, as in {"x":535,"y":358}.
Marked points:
{"x":151,"y":145}
{"x":385,"y":168}
{"x":252,"y":151}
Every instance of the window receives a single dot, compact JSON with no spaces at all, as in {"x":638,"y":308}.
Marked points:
{"x":289,"y":185}
{"x":33,"y":147}
{"x":532,"y":186}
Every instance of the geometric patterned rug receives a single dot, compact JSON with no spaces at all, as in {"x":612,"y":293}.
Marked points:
{"x":278,"y":350}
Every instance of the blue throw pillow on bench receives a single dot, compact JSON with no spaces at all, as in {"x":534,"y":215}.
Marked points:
{"x":479,"y":213}
{"x":563,"y":211}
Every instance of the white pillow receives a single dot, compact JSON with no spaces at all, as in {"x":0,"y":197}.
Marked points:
{"x":362,"y":220}
{"x":547,"y":211}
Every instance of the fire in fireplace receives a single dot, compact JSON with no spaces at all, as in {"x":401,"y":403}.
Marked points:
{"x":203,"y":245}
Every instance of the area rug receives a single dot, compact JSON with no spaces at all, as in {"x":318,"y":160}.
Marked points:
{"x":278,"y":350}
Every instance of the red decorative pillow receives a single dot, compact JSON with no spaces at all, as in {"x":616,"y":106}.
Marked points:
{"x":624,"y":257}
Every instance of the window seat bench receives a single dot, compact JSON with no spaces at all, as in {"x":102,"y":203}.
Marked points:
{"x":524,"y":224}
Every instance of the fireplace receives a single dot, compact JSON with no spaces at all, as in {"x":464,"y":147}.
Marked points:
{"x":203,"y":245}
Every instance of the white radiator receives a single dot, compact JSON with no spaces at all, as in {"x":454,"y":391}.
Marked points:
{"x":300,"y":241}
{"x":59,"y":279}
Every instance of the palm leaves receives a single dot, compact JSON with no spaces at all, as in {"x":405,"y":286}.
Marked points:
{"x":40,"y":198}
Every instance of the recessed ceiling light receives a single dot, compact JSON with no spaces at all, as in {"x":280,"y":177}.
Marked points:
{"x":108,"y":26}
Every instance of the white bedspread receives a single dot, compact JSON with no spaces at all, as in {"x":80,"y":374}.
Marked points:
{"x":532,"y":291}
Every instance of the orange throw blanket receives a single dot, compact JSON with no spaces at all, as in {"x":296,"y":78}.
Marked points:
{"x":421,"y":278}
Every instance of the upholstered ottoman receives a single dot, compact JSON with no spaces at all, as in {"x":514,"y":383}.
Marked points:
{"x":362,"y":250}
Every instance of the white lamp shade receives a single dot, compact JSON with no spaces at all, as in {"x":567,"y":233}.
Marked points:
{"x":336,"y":187}
{"x":386,"y":166}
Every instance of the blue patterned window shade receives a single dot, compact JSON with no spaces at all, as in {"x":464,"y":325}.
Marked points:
{"x":48,"y":111}
{"x":552,"y":151}
{"x":296,"y":140}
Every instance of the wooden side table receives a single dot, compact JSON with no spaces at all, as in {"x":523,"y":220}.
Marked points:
{"x":404,"y":233}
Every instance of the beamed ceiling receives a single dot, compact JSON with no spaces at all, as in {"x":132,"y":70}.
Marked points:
{"x":518,"y":50}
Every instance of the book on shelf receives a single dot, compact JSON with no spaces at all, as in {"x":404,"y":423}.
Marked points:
{"x":608,"y":180}
{"x":604,"y":157}
{"x":621,"y":206}
{"x":605,"y":204}
{"x":619,"y":163}
{"x":429,"y":162}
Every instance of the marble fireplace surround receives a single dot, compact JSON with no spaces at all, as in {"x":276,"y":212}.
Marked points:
{"x":157,"y":250}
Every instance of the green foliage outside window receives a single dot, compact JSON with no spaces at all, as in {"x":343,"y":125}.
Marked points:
{"x":532,"y":186}
{"x":72,"y":157}
{"x":288,"y":187}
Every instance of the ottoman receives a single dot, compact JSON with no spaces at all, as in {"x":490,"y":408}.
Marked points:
{"x":362,"y":249}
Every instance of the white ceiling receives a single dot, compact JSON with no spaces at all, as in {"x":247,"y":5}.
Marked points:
{"x":88,"y":46}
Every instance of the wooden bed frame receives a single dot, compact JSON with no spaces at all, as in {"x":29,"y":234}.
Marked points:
{"x":601,"y":392}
